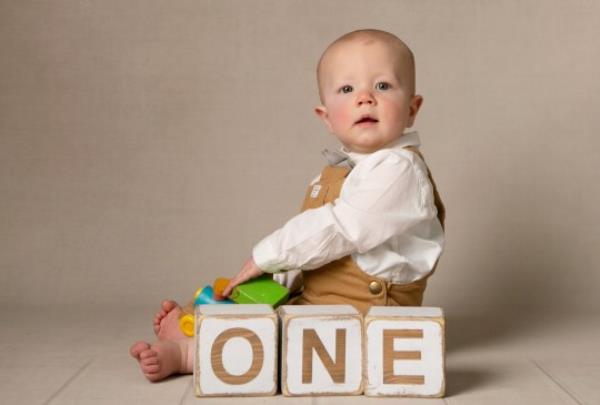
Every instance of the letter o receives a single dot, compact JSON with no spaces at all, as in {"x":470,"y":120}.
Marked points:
{"x":216,"y":356}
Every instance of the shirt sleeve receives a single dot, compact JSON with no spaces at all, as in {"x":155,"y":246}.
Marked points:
{"x":381,"y":197}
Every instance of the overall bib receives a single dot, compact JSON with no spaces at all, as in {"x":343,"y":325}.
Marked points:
{"x":342,"y":281}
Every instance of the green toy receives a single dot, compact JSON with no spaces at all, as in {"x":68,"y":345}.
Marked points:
{"x":261,"y":290}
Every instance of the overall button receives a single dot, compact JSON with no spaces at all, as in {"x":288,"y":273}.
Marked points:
{"x":375,"y":287}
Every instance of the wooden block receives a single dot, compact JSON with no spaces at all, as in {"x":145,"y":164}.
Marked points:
{"x":404,"y":352}
{"x":321,"y":351}
{"x":236,"y":350}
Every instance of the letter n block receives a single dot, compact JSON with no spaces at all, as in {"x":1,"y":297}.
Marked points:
{"x":321,"y":351}
{"x":404,"y":349}
{"x":236,"y":350}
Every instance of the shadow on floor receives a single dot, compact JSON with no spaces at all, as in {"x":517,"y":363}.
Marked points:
{"x":474,"y":332}
{"x":461,"y":381}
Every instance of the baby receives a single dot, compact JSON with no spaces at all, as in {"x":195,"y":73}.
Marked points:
{"x":371,"y":228}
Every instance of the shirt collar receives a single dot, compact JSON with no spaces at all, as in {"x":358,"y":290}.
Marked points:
{"x":407,"y":139}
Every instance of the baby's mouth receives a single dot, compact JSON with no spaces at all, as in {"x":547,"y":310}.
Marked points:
{"x":366,"y":119}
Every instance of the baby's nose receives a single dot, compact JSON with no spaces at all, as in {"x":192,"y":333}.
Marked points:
{"x":365,"y":97}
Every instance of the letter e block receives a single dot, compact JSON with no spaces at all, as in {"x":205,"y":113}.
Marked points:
{"x":321,"y":351}
{"x":236,"y":350}
{"x":404,"y":350}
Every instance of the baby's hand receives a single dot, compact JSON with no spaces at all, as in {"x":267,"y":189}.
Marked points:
{"x":249,"y":271}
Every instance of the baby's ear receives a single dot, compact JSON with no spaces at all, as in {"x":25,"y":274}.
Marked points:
{"x":321,"y":112}
{"x":415,"y":105}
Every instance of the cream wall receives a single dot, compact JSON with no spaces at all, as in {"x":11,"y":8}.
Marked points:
{"x":145,"y":146}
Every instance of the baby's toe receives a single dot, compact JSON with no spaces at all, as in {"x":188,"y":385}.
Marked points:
{"x":168,"y":306}
{"x":149,"y":361}
{"x":137,"y":348}
{"x":151,"y":369}
{"x":153,"y":377}
{"x":147,"y":354}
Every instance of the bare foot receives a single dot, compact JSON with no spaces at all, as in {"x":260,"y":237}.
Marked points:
{"x":163,"y":358}
{"x":166,"y":321}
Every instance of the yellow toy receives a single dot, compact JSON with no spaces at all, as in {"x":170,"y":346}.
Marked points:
{"x":203,"y":295}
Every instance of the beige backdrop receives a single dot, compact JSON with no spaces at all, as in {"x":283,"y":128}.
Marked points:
{"x":146,"y":146}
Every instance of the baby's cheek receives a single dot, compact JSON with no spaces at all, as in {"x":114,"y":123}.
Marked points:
{"x":339,"y":114}
{"x":396,"y":109}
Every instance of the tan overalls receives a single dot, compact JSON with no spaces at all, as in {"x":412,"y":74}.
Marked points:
{"x":342,"y":281}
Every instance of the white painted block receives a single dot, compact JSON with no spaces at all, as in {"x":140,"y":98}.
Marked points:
{"x":404,"y":350}
{"x":321,"y":351}
{"x":236,"y":350}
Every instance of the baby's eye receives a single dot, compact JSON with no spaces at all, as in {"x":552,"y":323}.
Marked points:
{"x":382,"y":86}
{"x":346,"y":89}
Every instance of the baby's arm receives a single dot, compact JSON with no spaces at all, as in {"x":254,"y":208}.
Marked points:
{"x":382,"y":197}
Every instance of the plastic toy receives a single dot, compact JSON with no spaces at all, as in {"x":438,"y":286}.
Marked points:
{"x":261,"y":290}
{"x":203,"y":295}
{"x":219,"y":286}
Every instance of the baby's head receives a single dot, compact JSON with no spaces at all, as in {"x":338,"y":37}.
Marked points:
{"x":366,"y":84}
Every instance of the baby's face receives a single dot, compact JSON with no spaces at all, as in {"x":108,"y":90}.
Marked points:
{"x":367,"y":102}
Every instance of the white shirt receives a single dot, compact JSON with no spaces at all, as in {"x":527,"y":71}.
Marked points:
{"x":385,"y":217}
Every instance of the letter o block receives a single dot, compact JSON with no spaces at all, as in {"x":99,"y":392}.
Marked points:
{"x":236,"y":350}
{"x":321,"y":351}
{"x":404,"y":350}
